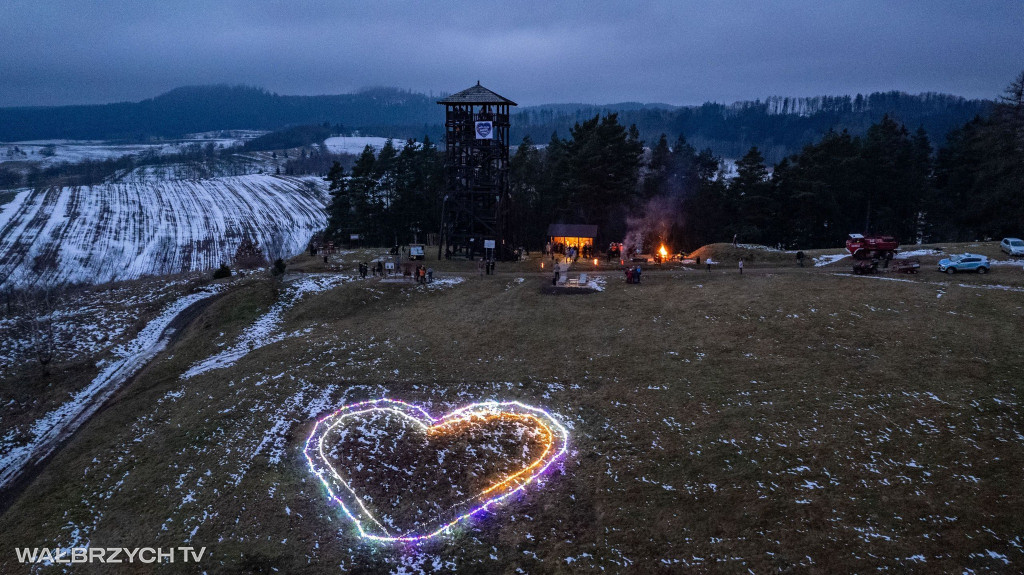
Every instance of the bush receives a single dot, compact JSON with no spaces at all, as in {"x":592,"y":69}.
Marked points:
{"x":249,"y":254}
{"x":278,"y":268}
{"x":222,"y":272}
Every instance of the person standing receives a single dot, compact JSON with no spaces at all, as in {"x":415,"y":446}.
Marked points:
{"x":741,"y":266}
{"x":800,"y":258}
{"x":430,"y":275}
{"x":638,"y":272}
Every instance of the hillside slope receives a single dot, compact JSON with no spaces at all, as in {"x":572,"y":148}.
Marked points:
{"x":128,"y":230}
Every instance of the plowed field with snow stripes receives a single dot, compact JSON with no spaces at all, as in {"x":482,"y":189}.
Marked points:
{"x":121,"y":231}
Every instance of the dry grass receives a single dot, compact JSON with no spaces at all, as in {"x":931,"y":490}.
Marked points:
{"x":90,"y":323}
{"x":786,"y":420}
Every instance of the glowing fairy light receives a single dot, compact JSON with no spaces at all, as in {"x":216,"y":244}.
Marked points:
{"x":552,"y":435}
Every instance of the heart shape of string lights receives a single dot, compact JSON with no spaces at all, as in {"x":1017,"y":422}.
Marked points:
{"x":402,"y":475}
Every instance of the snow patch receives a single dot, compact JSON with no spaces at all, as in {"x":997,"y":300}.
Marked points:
{"x":53,"y":427}
{"x":828,"y":259}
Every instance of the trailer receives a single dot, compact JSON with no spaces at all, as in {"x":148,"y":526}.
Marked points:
{"x":908,"y":266}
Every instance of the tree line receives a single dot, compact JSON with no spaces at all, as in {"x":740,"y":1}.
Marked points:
{"x":889,"y":180}
{"x":389,"y":197}
{"x":777,"y":126}
{"x":204,"y":159}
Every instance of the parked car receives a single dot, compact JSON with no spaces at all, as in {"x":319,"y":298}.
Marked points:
{"x":964,"y":263}
{"x":1012,"y":246}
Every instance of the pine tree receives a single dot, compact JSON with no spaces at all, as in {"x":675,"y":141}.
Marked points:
{"x":604,"y":159}
{"x":1009,"y":113}
{"x":749,"y":202}
{"x":922,"y":172}
{"x":820,"y":192}
{"x":656,"y":176}
{"x":341,"y":214}
{"x":363,"y":195}
{"x":525,"y":173}
{"x":682,"y":177}
{"x":892,"y":202}
{"x":556,"y":181}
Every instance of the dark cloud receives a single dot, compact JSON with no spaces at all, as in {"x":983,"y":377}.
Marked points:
{"x":533,"y":52}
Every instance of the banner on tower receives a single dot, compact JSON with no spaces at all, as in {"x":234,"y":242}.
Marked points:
{"x":484,"y":130}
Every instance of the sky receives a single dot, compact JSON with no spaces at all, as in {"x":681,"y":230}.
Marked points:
{"x":673,"y":51}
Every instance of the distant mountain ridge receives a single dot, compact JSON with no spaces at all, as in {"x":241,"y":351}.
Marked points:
{"x":192,"y":109}
{"x":778,"y":125}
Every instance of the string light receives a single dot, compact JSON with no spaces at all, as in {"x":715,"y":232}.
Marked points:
{"x":552,"y":435}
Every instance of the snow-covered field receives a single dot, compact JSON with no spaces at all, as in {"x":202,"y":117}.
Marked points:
{"x":50,"y":429}
{"x":85,"y":322}
{"x":355,"y":144}
{"x":128,"y":230}
{"x":52,"y":152}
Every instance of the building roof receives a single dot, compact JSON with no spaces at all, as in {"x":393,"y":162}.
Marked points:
{"x":476,"y":95}
{"x":572,"y":231}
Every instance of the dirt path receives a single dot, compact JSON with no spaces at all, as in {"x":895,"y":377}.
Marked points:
{"x":52,"y":431}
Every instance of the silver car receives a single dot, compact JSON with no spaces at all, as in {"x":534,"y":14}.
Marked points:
{"x":1012,"y":246}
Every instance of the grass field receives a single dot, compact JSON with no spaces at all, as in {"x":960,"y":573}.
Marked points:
{"x":785,"y":420}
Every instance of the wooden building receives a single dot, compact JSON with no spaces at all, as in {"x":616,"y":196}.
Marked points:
{"x":572,"y":235}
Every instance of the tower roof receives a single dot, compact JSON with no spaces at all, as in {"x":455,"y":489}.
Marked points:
{"x":476,"y":95}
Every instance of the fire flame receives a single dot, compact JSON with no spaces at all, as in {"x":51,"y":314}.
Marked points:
{"x":663,"y":251}
{"x":595,"y":261}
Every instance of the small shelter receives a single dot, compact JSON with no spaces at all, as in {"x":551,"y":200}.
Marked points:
{"x":572,"y":235}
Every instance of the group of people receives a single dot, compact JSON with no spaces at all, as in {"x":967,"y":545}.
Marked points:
{"x":423,"y":274}
{"x":517,"y":254}
{"x":572,"y":253}
{"x":377,"y":269}
{"x":633,"y":275}
{"x":485,"y":267}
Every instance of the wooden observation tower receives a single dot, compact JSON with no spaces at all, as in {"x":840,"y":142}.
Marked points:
{"x":477,"y":201}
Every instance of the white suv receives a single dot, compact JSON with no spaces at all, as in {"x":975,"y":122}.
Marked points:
{"x":1012,"y":246}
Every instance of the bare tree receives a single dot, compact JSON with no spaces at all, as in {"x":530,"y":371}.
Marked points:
{"x":35,"y":325}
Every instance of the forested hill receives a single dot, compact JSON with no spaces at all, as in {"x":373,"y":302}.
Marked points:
{"x":778,"y":126}
{"x":382,"y":111}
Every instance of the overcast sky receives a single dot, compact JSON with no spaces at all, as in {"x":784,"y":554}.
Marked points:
{"x":672,"y":51}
